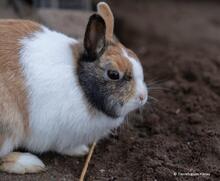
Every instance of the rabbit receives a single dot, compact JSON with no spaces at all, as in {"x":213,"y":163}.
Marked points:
{"x":61,"y":94}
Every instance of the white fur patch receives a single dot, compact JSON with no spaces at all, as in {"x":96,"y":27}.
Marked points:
{"x":7,"y":146}
{"x":76,"y":151}
{"x":140,"y":86}
{"x":137,"y":68}
{"x":59,"y":117}
{"x":27,"y":159}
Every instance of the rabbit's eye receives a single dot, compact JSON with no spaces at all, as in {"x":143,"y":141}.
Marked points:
{"x":113,"y":74}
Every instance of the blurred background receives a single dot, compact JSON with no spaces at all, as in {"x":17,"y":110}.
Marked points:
{"x":178,"y":131}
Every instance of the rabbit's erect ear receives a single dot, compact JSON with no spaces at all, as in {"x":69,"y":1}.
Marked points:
{"x":94,"y":40}
{"x":106,"y":13}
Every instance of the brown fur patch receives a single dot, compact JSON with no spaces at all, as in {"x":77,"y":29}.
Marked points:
{"x":13,"y":157}
{"x":13,"y":95}
{"x":106,"y":13}
{"x":77,"y":49}
{"x":114,"y":54}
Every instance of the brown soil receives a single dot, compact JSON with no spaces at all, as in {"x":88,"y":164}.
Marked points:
{"x":179,"y":45}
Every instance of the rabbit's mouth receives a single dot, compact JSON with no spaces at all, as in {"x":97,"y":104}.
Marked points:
{"x":132,"y":105}
{"x":121,"y":109}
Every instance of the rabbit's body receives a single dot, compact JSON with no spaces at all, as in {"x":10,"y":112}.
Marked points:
{"x":58,"y":116}
{"x":58,"y":94}
{"x":56,"y":101}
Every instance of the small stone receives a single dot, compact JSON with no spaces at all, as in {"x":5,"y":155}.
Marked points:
{"x":177,"y":111}
{"x":102,"y":170}
{"x":188,"y":143}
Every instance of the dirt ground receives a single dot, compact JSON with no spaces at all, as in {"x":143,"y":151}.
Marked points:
{"x":179,"y":132}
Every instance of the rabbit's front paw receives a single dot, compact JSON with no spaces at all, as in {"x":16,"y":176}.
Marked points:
{"x":77,"y":151}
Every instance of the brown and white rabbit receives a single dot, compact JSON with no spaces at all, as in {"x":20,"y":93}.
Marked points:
{"x":60,"y":94}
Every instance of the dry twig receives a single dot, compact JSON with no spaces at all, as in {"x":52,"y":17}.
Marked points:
{"x":87,"y":162}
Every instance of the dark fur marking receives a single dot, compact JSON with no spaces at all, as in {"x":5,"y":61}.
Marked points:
{"x":106,"y":96}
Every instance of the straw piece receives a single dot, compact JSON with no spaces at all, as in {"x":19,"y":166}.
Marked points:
{"x":87,"y":162}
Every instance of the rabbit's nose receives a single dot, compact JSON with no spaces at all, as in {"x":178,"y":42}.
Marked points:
{"x":142,"y":98}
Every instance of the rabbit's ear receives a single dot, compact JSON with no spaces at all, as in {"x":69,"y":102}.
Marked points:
{"x":106,"y":13}
{"x":94,"y":40}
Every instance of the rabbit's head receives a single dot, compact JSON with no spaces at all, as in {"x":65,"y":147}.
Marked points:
{"x":110,"y":74}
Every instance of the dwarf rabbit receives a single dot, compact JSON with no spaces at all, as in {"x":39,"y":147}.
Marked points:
{"x":61,"y":94}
